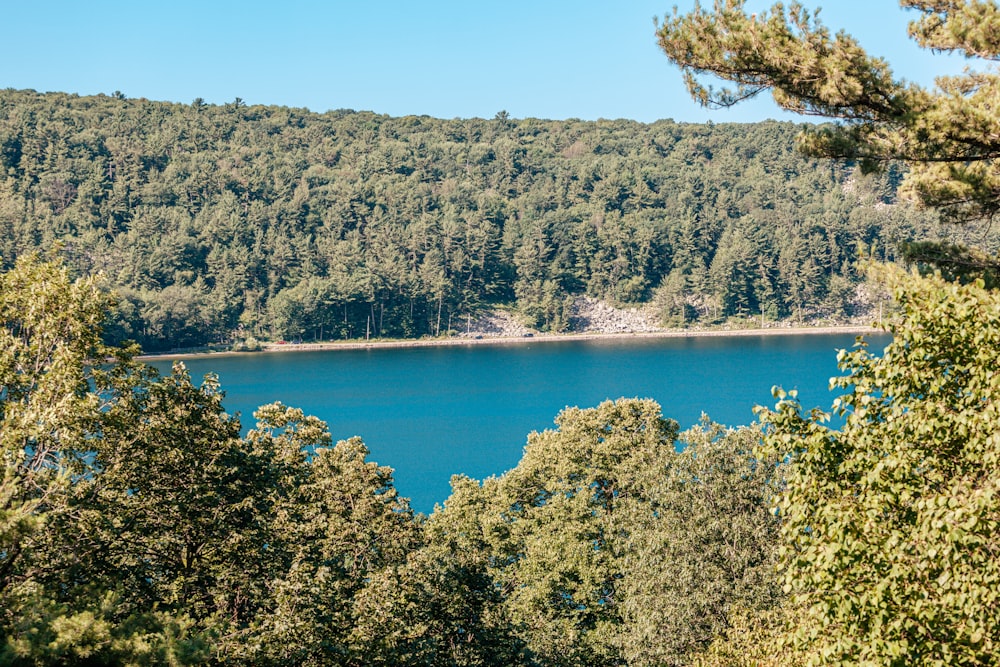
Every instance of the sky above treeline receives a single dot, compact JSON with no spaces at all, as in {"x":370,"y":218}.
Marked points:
{"x":552,"y":59}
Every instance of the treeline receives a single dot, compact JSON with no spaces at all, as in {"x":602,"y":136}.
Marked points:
{"x":217,"y":223}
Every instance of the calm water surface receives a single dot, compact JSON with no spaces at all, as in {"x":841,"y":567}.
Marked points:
{"x":434,"y":412}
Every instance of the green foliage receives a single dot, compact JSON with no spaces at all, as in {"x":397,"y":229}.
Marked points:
{"x":703,"y":550}
{"x":954,"y":262}
{"x":890,"y":522}
{"x":442,"y":606}
{"x":215,"y":223}
{"x":47,"y":338}
{"x":947,"y":135}
{"x":176,"y":527}
{"x":49,"y":633}
{"x":607,"y":546}
{"x":251,"y":344}
{"x":562,"y":527}
{"x":342,"y":524}
{"x":139,"y":527}
{"x":752,"y":639}
{"x":56,"y":399}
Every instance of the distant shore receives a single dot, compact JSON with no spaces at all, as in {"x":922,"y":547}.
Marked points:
{"x":534,"y":338}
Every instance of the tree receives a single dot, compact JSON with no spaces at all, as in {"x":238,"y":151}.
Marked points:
{"x":138,"y":527}
{"x":45,"y":338}
{"x":890,"y":523}
{"x":605,"y":545}
{"x":702,"y":549}
{"x":559,"y":528}
{"x":947,"y":135}
{"x":55,"y":398}
{"x":288,"y":223}
{"x":442,"y":606}
{"x":338,"y":522}
{"x":48,"y":346}
{"x":172,"y":509}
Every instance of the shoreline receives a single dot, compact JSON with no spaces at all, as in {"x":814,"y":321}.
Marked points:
{"x":522,"y":340}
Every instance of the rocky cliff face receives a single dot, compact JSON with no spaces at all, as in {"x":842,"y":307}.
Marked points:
{"x":589,"y":315}
{"x":592,"y":315}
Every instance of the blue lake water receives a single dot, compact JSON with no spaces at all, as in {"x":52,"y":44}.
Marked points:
{"x":432,"y":412}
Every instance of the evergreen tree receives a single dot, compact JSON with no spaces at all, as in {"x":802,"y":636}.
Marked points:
{"x":947,"y":134}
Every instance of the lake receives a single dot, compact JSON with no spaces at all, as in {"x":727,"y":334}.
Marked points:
{"x":431,"y":412}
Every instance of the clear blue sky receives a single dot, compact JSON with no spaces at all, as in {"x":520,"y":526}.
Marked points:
{"x":445,"y":58}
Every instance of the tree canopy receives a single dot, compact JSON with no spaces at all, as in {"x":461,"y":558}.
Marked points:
{"x":215,"y":224}
{"x":139,"y":527}
{"x":889,"y":522}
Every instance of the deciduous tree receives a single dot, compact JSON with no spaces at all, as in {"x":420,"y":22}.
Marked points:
{"x":890,"y":522}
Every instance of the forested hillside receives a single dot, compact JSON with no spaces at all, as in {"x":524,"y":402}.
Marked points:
{"x":216,"y":223}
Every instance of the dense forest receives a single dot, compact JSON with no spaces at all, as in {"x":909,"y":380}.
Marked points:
{"x":219,"y":223}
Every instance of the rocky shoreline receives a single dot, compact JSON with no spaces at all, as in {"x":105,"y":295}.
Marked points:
{"x":591,"y":319}
{"x":551,"y":338}
{"x":540,"y":338}
{"x":590,"y":316}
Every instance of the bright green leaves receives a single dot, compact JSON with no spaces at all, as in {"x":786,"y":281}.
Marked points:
{"x":67,"y":485}
{"x":967,"y":26}
{"x":172,"y":500}
{"x":890,"y":522}
{"x":442,"y":606}
{"x":337,"y":528}
{"x":48,"y":337}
